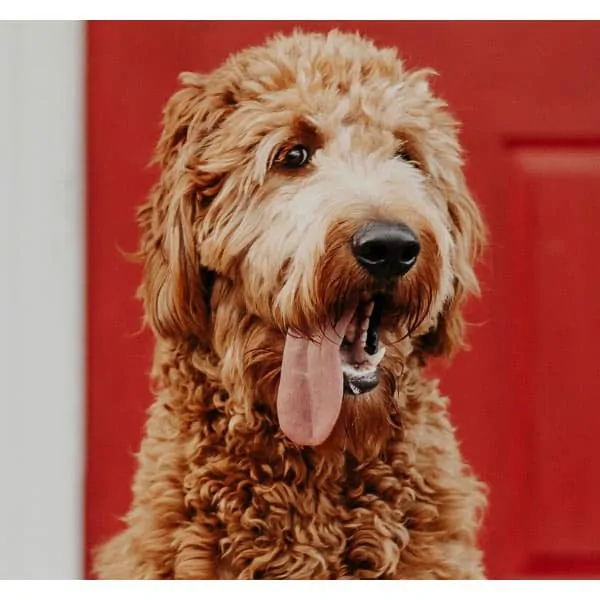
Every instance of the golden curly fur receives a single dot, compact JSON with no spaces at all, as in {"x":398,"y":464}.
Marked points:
{"x":237,"y":250}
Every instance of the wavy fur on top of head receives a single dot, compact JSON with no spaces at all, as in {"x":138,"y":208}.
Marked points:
{"x":238,"y":249}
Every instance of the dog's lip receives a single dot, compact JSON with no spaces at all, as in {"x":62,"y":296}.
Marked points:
{"x":357,"y":382}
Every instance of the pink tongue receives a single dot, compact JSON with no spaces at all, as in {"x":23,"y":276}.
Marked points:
{"x":309,"y":399}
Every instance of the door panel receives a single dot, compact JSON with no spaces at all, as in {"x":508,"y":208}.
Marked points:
{"x":524,"y":399}
{"x":554,"y":199}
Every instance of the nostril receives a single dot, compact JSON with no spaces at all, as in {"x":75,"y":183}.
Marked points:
{"x":409,"y":251}
{"x":374,"y":252}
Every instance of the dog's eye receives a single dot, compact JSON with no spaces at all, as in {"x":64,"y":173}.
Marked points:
{"x":296,"y":157}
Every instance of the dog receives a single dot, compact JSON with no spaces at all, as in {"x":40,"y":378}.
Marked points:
{"x":306,"y":252}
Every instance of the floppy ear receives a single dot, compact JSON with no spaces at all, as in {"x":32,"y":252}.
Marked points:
{"x":468,"y":235}
{"x":173,"y":287}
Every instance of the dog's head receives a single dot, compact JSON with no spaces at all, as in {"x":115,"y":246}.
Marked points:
{"x":315,"y":186}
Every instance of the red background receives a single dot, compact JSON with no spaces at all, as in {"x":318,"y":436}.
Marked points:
{"x":525,"y":399}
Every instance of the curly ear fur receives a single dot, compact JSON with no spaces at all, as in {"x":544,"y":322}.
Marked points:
{"x":173,"y":289}
{"x":468,"y":234}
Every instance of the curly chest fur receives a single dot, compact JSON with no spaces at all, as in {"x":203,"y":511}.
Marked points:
{"x":329,"y":518}
{"x":327,"y":530}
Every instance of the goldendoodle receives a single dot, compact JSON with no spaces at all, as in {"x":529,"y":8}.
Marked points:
{"x":307,"y":250}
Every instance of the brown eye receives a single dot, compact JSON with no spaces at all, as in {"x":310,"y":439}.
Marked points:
{"x":296,"y":157}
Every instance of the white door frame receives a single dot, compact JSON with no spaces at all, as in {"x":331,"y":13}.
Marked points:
{"x":42,"y":283}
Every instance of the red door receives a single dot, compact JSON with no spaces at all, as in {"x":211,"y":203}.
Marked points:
{"x":526,"y":399}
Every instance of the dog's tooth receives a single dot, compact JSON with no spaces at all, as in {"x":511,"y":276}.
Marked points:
{"x":369,"y":308}
{"x":365,"y":324}
{"x":354,"y":388}
{"x":363,"y":337}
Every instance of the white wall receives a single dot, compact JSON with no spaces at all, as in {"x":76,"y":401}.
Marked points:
{"x":41,"y":299}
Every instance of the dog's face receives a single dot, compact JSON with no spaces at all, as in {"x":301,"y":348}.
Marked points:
{"x":317,"y":185}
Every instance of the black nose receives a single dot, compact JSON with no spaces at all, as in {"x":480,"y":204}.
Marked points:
{"x":386,"y":249}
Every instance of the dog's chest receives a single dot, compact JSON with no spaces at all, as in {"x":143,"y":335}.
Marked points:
{"x":279,"y":532}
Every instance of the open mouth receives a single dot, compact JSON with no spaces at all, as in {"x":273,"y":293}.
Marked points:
{"x":318,"y":372}
{"x":360,"y":350}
